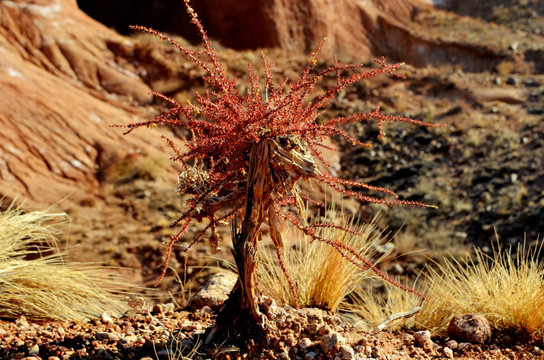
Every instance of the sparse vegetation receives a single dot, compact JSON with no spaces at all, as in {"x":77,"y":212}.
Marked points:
{"x":507,"y":290}
{"x":177,"y":351}
{"x":366,"y":309}
{"x":249,"y":149}
{"x":35,"y":280}
{"x":506,"y":287}
{"x":321,"y":275}
{"x":130,"y":168}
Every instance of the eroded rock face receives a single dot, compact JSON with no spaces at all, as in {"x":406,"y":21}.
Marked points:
{"x":61,"y":88}
{"x":59,"y":38}
{"x":356,"y":29}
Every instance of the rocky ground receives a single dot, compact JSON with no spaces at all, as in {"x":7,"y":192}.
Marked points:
{"x":164,"y":333}
{"x":484,"y":171}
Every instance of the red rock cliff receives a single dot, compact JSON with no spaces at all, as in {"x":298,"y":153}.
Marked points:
{"x":60,"y":90}
{"x":357,"y":28}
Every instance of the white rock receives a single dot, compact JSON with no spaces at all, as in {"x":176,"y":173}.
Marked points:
{"x":330,"y":341}
{"x":423,"y":340}
{"x":215,"y":292}
{"x":305,"y":343}
{"x":346,"y":352}
{"x":448,"y":352}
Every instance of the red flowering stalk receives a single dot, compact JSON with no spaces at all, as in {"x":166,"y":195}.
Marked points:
{"x":248,"y":152}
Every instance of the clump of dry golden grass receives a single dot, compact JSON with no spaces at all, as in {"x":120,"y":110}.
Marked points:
{"x":129,"y":168}
{"x":507,"y":290}
{"x":366,"y":311}
{"x":321,"y":275}
{"x":36,"y":282}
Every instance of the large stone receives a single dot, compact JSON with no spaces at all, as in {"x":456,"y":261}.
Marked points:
{"x":472,"y":328}
{"x":215,"y":292}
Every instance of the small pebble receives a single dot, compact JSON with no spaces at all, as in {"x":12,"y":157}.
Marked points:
{"x":284,"y":355}
{"x":106,"y":336}
{"x":330,"y":341}
{"x":129,"y":339}
{"x":397,"y":269}
{"x":35,"y":350}
{"x":157,"y":309}
{"x":448,"y":352}
{"x":22,"y":321}
{"x":166,"y":353}
{"x":169,"y":308}
{"x":61,"y":331}
{"x":346,"y":352}
{"x":305,"y":343}
{"x":376,"y":353}
{"x":423,"y":339}
{"x":324,"y":330}
{"x":452,"y":344}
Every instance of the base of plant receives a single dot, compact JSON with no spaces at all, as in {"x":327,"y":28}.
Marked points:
{"x":234,"y":320}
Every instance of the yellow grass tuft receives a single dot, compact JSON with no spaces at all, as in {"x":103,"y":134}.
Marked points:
{"x":37,"y":283}
{"x":508,"y":291}
{"x":367,"y":312}
{"x":322,"y":276}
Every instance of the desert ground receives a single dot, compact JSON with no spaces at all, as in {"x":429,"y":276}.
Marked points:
{"x":65,"y":78}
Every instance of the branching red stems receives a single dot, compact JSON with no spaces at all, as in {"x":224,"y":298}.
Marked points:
{"x":226,"y":123}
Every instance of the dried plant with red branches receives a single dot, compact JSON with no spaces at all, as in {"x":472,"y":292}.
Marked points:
{"x":248,"y":151}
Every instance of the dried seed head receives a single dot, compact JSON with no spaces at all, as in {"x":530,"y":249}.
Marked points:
{"x":193,"y":181}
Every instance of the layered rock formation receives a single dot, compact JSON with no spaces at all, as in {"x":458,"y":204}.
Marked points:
{"x":62,"y":84}
{"x":61,"y":87}
{"x":357,"y":29}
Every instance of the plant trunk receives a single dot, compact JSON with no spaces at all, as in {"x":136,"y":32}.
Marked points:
{"x":241,"y":310}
